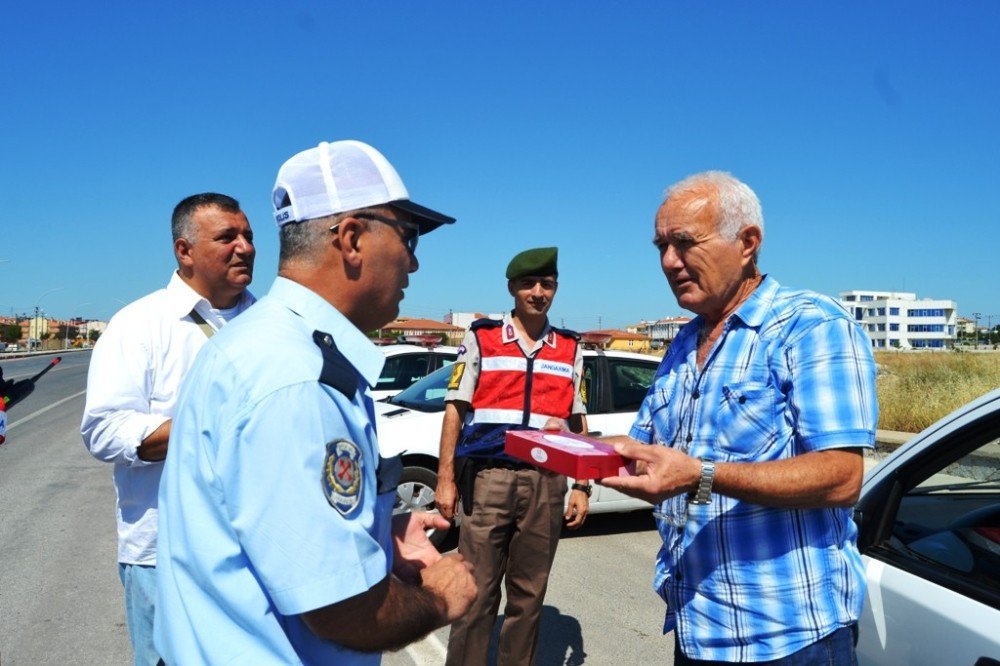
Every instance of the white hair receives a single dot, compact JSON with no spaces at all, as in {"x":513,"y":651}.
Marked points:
{"x":739,"y":207}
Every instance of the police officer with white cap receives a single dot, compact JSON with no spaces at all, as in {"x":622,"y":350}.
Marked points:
{"x":277,"y":539}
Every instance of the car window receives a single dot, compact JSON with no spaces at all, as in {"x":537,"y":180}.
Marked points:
{"x":427,"y":394}
{"x":947,"y":526}
{"x":630,"y":381}
{"x":402,"y":370}
{"x":444,"y":360}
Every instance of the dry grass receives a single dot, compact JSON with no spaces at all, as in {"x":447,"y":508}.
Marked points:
{"x":917,"y":389}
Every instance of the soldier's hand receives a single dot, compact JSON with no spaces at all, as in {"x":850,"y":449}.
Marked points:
{"x":450,"y":581}
{"x":446,"y":498}
{"x":576,"y":509}
{"x":556,"y":424}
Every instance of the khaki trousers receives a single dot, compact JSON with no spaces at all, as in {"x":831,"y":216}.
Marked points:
{"x":512,"y":536}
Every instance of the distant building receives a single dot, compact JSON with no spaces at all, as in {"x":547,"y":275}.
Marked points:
{"x":663,"y":331}
{"x":11,"y":332}
{"x":406,"y":326}
{"x":465,"y":319}
{"x":642,"y":328}
{"x":897,"y":320}
{"x":613,"y":338}
{"x":966,"y":327}
{"x":93,"y":325}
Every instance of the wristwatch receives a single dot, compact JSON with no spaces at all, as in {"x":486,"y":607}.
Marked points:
{"x":584,"y":488}
{"x":703,"y":495}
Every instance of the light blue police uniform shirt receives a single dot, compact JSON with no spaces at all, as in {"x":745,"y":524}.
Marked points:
{"x":248,"y":538}
{"x":791,"y":373}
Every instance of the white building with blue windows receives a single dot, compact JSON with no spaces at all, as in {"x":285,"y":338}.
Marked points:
{"x":897,"y":320}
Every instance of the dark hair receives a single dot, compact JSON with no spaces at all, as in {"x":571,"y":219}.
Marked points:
{"x":180,"y":222}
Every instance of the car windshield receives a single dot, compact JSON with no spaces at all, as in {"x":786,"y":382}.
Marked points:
{"x":425,"y":395}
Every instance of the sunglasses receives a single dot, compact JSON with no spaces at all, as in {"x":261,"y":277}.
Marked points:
{"x":409,"y":240}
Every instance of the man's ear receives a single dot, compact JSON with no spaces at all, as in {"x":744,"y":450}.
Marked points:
{"x":511,"y":288}
{"x":750,"y":240}
{"x":182,"y":250}
{"x":348,"y":239}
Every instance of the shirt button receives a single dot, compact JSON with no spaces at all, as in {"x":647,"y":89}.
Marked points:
{"x":689,"y":438}
{"x":696,"y":394}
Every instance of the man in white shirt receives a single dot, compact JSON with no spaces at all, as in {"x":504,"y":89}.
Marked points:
{"x":135,"y":374}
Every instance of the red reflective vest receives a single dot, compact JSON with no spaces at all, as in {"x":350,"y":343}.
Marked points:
{"x":516,"y":389}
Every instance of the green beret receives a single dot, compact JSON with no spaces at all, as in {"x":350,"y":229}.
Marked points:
{"x":537,"y":261}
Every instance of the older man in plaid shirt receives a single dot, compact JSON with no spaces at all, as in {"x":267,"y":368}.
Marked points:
{"x":750,"y":444}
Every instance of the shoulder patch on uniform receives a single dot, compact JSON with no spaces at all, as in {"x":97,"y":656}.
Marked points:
{"x":457,"y":370}
{"x":343,"y":475}
{"x":337,"y":370}
{"x":567,"y":332}
{"x":485,"y":323}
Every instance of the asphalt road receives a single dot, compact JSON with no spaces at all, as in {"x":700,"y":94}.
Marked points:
{"x":60,"y":597}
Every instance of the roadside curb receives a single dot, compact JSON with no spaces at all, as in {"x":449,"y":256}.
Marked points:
{"x":9,"y":356}
{"x":892,"y":438}
{"x":886,"y":441}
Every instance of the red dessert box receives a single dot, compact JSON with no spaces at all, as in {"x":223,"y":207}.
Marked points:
{"x":567,"y":453}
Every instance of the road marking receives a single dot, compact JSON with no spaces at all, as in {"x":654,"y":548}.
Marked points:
{"x":45,"y":409}
{"x":428,"y":651}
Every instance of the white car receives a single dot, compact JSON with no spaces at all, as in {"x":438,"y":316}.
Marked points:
{"x":405,"y":364}
{"x":929,"y":534}
{"x":410,"y":424}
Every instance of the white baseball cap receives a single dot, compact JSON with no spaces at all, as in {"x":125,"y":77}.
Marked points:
{"x":342,"y":176}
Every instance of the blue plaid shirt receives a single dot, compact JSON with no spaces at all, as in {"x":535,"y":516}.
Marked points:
{"x":791,"y":373}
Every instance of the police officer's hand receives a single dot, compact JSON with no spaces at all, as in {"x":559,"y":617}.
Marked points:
{"x":661,"y":472}
{"x":414,"y":551}
{"x":450,"y":581}
{"x":446,"y":498}
{"x":576,"y":509}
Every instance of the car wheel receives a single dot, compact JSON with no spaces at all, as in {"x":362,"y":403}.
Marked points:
{"x":415,"y":492}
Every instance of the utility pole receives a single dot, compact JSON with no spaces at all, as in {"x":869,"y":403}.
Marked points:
{"x":976,"y":315}
{"x":32,"y":344}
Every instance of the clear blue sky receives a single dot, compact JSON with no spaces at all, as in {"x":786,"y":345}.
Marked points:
{"x":870,"y":131}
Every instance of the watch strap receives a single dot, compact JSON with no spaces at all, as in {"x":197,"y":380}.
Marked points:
{"x":703,"y":495}
{"x":583,"y":488}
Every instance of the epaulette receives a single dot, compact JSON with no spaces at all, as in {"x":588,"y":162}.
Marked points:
{"x":568,"y":333}
{"x":337,"y":370}
{"x":485,"y":323}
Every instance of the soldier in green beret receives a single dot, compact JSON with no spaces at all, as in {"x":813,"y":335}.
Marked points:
{"x":518,"y":372}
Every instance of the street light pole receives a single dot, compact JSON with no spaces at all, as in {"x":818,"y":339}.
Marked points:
{"x":34,"y":322}
{"x":976,"y":315}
